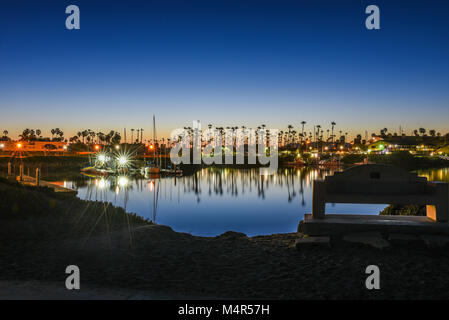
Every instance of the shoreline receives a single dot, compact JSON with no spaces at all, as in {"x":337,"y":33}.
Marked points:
{"x":44,"y":233}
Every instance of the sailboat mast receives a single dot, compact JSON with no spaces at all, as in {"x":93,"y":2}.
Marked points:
{"x":154,"y":138}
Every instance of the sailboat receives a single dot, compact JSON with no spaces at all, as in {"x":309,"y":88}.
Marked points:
{"x":151,"y":168}
{"x":154,"y":167}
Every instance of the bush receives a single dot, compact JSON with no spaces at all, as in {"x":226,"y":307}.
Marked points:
{"x":353,"y":158}
{"x":404,"y":210}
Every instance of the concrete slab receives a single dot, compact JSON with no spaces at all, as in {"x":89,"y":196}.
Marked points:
{"x":339,"y":224}
{"x":373,"y":239}
{"x":307,"y":242}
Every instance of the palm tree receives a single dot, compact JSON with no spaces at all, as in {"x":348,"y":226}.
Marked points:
{"x":289,"y":127}
{"x":333,"y":125}
{"x":303,"y":123}
{"x":25,"y":134}
{"x":85,"y":133}
{"x":116,"y":138}
{"x":132,"y":135}
{"x":61,"y":135}
{"x":101,"y":137}
{"x":422,"y":131}
{"x":5,"y":133}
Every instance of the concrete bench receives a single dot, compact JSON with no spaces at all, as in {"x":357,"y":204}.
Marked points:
{"x":381,"y":184}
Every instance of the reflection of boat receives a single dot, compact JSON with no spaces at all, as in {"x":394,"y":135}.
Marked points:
{"x":150,"y":168}
{"x":329,"y":163}
{"x":172,"y":171}
{"x":152,"y":171}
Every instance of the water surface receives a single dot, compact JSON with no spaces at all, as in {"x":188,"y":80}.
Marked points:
{"x":213,"y":201}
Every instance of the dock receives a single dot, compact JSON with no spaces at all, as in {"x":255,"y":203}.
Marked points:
{"x":27,"y":180}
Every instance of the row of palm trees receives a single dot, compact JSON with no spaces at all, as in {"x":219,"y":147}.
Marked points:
{"x":138,"y":139}
{"x":290,"y":136}
{"x":36,"y":134}
{"x":89,"y":136}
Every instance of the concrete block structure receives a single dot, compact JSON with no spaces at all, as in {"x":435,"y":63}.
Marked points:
{"x":379,"y":184}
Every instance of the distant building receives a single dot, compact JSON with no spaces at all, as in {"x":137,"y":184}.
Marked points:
{"x":30,"y":146}
{"x":403,"y":143}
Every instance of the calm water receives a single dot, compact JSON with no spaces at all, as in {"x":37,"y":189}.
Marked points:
{"x":213,"y":201}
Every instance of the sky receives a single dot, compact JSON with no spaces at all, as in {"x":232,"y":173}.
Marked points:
{"x":228,"y":63}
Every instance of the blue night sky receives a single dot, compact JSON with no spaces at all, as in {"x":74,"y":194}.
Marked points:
{"x":224,"y":62}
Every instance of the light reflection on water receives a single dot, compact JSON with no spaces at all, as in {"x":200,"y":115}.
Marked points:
{"x":213,"y":201}
{"x":435,"y":174}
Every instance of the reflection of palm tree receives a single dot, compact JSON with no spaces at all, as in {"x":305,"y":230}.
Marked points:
{"x":301,"y":188}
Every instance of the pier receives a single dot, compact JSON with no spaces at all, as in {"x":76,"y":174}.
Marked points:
{"x":27,"y":180}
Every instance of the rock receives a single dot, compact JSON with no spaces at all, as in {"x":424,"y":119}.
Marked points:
{"x":301,"y":226}
{"x":309,"y":242}
{"x":232,"y":235}
{"x":435,"y":241}
{"x":403,"y":239}
{"x":373,"y":239}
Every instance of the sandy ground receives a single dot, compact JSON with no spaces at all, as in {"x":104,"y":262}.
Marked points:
{"x":157,"y":263}
{"x":42,"y":290}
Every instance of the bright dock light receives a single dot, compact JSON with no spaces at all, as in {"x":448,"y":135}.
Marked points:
{"x":122,"y":161}
{"x":102,"y":158}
